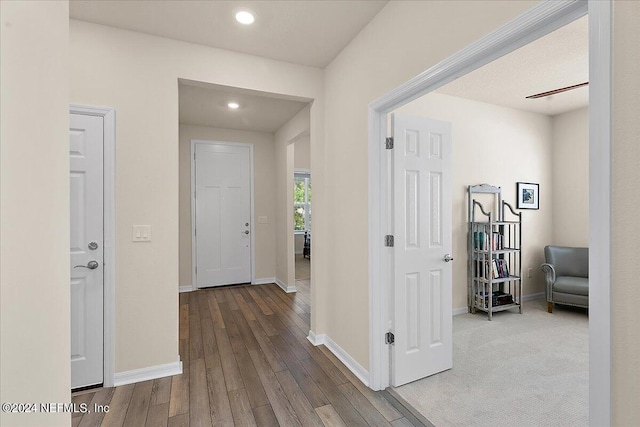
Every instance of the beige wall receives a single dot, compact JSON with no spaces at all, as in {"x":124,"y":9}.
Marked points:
{"x":34,"y":209}
{"x":302,"y":153}
{"x":570,"y":159}
{"x":137,"y":74}
{"x":520,"y":145}
{"x":625,"y":292}
{"x":295,"y":129}
{"x":264,"y":195}
{"x":404,"y":39}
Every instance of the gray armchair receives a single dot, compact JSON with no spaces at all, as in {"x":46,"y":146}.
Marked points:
{"x":566,"y":276}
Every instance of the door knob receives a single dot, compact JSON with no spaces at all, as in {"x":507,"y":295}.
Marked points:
{"x":246,"y":232}
{"x":91,"y":265}
{"x":447,"y":258}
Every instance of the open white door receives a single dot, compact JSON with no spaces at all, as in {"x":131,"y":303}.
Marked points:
{"x":222,"y":214}
{"x":422,"y":320}
{"x":86,"y":139}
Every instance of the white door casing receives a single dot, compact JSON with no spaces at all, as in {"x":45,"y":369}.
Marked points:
{"x":222,"y":214}
{"x":422,"y":232}
{"x":86,"y":144}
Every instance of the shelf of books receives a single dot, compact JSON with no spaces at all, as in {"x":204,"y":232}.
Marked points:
{"x":494,"y":253}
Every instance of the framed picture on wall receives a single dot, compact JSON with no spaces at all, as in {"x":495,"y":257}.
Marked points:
{"x":528,"y":195}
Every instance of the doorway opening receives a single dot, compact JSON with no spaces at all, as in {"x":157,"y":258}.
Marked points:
{"x":518,"y":33}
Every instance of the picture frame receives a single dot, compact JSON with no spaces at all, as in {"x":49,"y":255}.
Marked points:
{"x":528,"y":195}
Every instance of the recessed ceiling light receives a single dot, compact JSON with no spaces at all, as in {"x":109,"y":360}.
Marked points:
{"x":245,"y":17}
{"x":233,"y":105}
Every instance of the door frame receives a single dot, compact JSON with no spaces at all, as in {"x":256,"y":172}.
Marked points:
{"x":109,"y":217}
{"x":538,"y":21}
{"x":193,"y":142}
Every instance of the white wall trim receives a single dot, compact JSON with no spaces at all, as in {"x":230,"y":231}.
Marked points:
{"x":264,"y":281}
{"x":542,"y":19}
{"x":460,"y":310}
{"x":341,"y":354}
{"x":186,"y":288}
{"x":146,"y":374}
{"x":109,"y":187}
{"x":193,"y":205}
{"x":288,"y":289}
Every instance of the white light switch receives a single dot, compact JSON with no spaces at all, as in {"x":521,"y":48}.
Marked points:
{"x":141,"y":233}
{"x":263,"y":220}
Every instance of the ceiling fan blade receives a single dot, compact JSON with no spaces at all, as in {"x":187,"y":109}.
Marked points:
{"x":553,"y":92}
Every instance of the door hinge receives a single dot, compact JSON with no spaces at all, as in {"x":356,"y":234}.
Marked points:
{"x":195,"y":231}
{"x":388,"y":143}
{"x":389,"y":338}
{"x":196,"y":269}
{"x":194,"y":156}
{"x":388,"y":241}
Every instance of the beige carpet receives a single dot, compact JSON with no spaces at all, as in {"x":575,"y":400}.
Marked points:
{"x":517,"y":370}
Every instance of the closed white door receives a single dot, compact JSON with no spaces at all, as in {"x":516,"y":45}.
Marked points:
{"x":422,"y":243}
{"x":86,"y":166}
{"x":222,"y":214}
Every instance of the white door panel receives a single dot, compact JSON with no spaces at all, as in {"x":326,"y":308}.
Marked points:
{"x":222,"y":214}
{"x":422,"y":224}
{"x":86,"y":185}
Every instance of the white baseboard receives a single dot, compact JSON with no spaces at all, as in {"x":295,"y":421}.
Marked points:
{"x":186,"y":288}
{"x":460,"y":310}
{"x":341,"y":354}
{"x":531,"y":297}
{"x":287,"y":289}
{"x":146,"y":374}
{"x":264,"y":281}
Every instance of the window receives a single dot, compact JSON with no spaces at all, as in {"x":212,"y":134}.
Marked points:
{"x":302,"y":202}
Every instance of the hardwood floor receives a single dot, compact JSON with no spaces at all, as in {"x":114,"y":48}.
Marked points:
{"x":246,"y":362}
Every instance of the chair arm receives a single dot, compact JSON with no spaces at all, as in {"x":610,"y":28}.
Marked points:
{"x":550,"y":278}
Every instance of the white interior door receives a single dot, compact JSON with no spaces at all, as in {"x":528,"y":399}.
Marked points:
{"x":422,"y":320}
{"x":86,"y":140}
{"x":222,"y":214}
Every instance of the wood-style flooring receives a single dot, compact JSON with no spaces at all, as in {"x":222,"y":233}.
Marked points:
{"x":246,"y":362}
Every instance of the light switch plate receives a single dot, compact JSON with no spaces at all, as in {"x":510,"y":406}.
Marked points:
{"x":263,"y":220}
{"x":141,"y":233}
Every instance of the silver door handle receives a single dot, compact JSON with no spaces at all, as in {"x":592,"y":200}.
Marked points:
{"x":91,"y":265}
{"x":447,"y":258}
{"x":246,"y":232}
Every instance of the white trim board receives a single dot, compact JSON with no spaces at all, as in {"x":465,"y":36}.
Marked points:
{"x":109,"y":187}
{"x":193,"y":142}
{"x":538,"y":21}
{"x":286,"y":288}
{"x":341,"y":354}
{"x":146,"y":374}
{"x":264,"y":281}
{"x":185,"y":288}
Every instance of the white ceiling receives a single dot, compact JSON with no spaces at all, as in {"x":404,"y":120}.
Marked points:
{"x":557,"y":60}
{"x":302,"y":32}
{"x":206,"y":105}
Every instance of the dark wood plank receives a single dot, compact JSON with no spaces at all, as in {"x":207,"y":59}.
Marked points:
{"x":218,"y":397}
{"x":195,"y":337}
{"x":118,"y":406}
{"x":242,"y":304}
{"x":183,"y":349}
{"x":260,"y":302}
{"x":276,"y":362}
{"x":381,"y":404}
{"x":139,"y":405}
{"x":241,"y":408}
{"x":103,"y":398}
{"x":337,"y":399}
{"x":199,"y":412}
{"x":181,"y":420}
{"x":253,"y":386}
{"x":232,"y":376}
{"x":279,"y":402}
{"x":330,"y":417}
{"x":363,"y":406}
{"x":183,"y":330}
{"x":158,"y":415}
{"x":161,"y":391}
{"x":179,"y":401}
{"x":214,"y":309}
{"x":209,"y":344}
{"x":79,"y":399}
{"x":298,"y":400}
{"x":265,"y":417}
{"x":228,"y":297}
